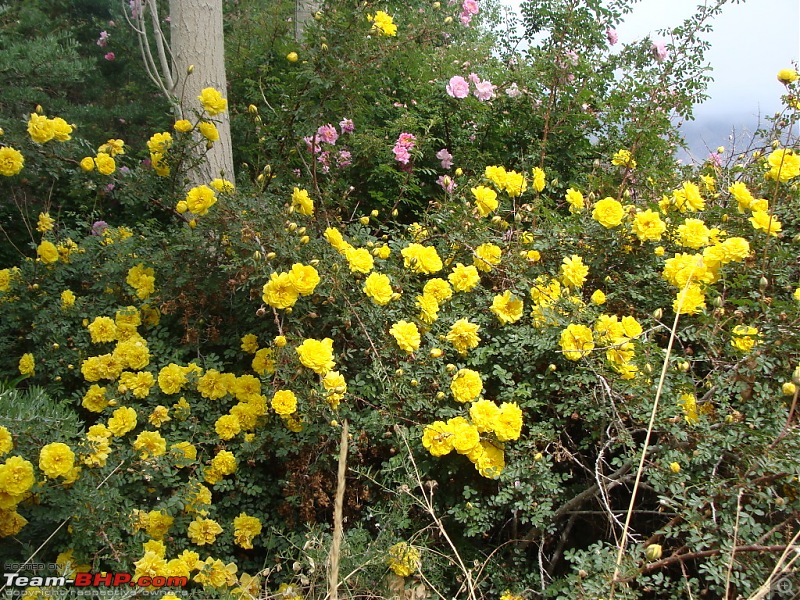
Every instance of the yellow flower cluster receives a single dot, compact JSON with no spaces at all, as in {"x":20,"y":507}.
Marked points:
{"x":359,"y":259}
{"x":159,"y":145}
{"x":27,"y":364}
{"x":421,"y":259}
{"x":466,"y":386}
{"x":212,"y":101}
{"x":608,"y":212}
{"x":383,"y":23}
{"x":317,"y":355}
{"x":245,"y":528}
{"x":686,"y":197}
{"x":511,"y":182}
{"x":784,"y":165}
{"x":609,"y":331}
{"x":464,"y":279}
{"x":623,"y":158}
{"x":379,"y":288}
{"x":42,"y":130}
{"x":142,"y":280}
{"x":17,"y":477}
{"x":463,"y":335}
{"x":223,"y":464}
{"x":691,"y":272}
{"x":485,"y":199}
{"x":283,"y":289}
{"x":302,"y":203}
{"x":507,"y":307}
{"x":403,"y":559}
{"x":575,"y":201}
{"x":407,"y":335}
{"x":479,"y":438}
{"x":744,"y":337}
{"x":648,"y":226}
{"x":11,"y":161}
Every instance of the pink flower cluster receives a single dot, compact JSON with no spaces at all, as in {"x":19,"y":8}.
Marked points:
{"x":103,"y":40}
{"x":458,"y":87}
{"x":659,"y":50}
{"x":469,"y":8}
{"x":446,"y":158}
{"x":328,"y":135}
{"x":402,"y":148}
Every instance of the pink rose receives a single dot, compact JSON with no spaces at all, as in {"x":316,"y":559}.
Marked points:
{"x":470,"y":7}
{"x":484,"y":90}
{"x":347,"y":126}
{"x":327,"y":134}
{"x":458,"y":87}
{"x":659,"y":51}
{"x":446,"y":158}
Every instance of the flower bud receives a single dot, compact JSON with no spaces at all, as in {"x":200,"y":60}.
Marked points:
{"x":448,"y":20}
{"x":271,"y":255}
{"x":789,"y":388}
{"x":292,"y":57}
{"x":763,"y":283}
{"x":796,"y":376}
{"x":190,"y":69}
{"x":653,"y":552}
{"x":674,"y":467}
{"x":657,"y":314}
{"x":252,"y":109}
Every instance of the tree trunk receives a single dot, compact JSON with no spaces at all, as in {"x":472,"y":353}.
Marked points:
{"x":196,"y":38}
{"x":303,"y":12}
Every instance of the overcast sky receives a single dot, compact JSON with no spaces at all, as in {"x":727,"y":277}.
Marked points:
{"x":750,"y":43}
